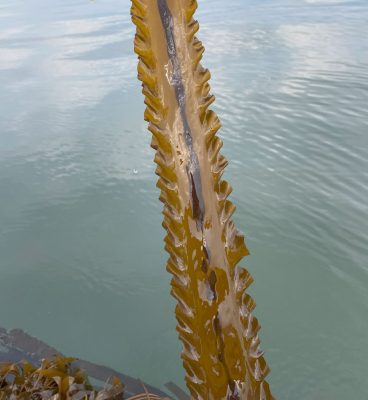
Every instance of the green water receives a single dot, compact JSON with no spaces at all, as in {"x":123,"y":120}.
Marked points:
{"x":81,"y":254}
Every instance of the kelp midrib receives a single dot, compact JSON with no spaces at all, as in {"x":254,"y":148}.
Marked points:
{"x":193,"y":165}
{"x":177,"y":82}
{"x":220,"y":335}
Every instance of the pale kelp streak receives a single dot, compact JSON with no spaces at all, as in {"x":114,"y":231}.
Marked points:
{"x":221,"y":352}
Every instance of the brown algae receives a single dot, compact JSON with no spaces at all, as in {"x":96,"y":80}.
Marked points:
{"x":221,"y":352}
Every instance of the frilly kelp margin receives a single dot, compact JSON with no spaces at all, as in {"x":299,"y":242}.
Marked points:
{"x":221,"y":352}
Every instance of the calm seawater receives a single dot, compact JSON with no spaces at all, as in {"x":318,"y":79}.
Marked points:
{"x":82,"y":264}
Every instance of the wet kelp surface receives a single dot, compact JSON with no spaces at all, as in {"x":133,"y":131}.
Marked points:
{"x":221,"y":353}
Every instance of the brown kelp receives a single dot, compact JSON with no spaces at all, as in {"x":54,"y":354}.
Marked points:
{"x":58,"y":379}
{"x":221,"y":347}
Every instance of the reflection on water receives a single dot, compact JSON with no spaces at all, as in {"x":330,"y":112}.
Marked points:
{"x":82,"y":260}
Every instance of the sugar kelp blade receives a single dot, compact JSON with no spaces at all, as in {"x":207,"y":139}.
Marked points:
{"x":221,"y":352}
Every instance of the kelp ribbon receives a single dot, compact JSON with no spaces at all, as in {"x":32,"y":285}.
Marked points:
{"x":221,"y":347}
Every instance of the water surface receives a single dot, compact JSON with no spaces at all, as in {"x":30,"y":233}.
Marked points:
{"x":82,"y":261}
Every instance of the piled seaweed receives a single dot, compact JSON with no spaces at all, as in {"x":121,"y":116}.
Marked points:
{"x":55,"y":379}
{"x":31,"y":369}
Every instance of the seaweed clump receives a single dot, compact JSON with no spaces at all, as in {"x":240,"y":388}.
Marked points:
{"x":55,"y":379}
